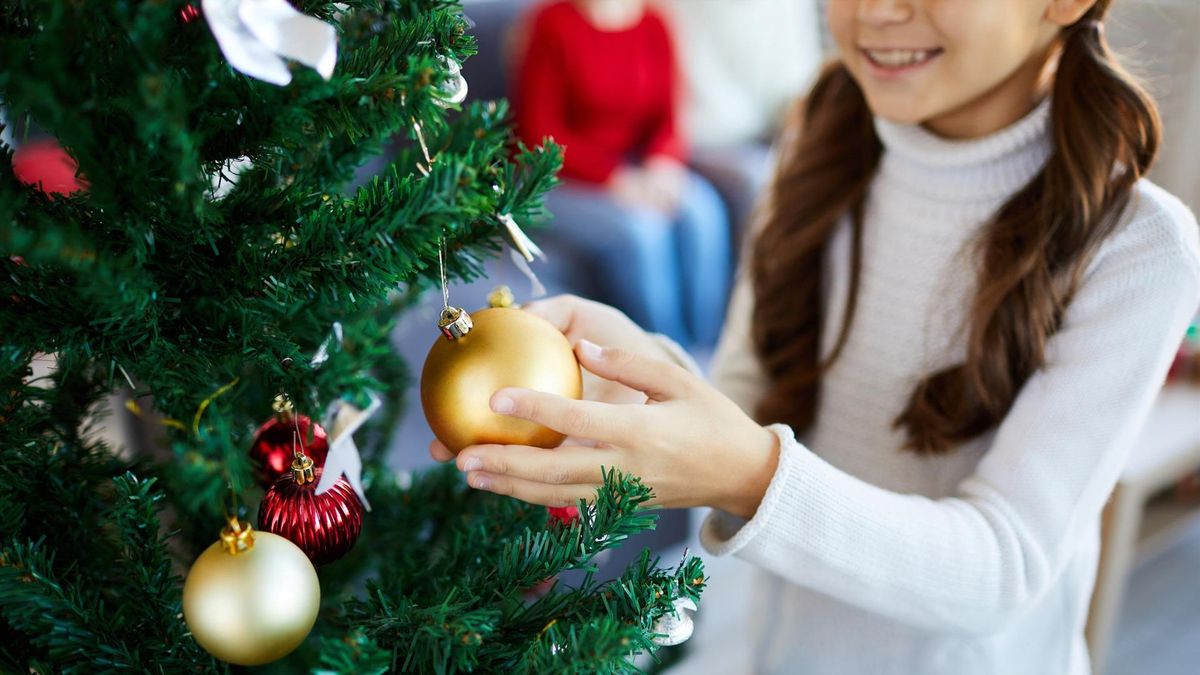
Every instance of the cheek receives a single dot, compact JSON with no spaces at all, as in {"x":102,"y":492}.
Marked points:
{"x":840,"y":16}
{"x":985,"y":61}
{"x":985,"y":42}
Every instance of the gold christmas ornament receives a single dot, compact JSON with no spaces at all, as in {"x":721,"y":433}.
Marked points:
{"x":252,"y":597}
{"x":493,"y":349}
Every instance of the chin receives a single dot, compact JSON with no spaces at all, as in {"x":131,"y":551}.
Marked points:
{"x":898,"y":111}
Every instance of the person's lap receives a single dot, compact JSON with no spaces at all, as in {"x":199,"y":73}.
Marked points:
{"x":664,"y":271}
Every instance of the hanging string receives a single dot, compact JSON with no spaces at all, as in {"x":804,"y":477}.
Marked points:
{"x":237,"y":536}
{"x":428,"y":165}
{"x":416,"y":125}
{"x":128,"y":379}
{"x":289,"y":409}
{"x":231,"y":514}
{"x":442,"y":271}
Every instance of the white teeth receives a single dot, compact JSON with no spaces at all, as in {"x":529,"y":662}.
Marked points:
{"x":897,"y":58}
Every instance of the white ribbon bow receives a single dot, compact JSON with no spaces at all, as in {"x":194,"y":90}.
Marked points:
{"x":342,"y":420}
{"x":257,"y":35}
{"x":523,"y":252}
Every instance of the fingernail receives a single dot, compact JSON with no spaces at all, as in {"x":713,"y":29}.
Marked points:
{"x":472,"y":464}
{"x":480,"y":482}
{"x":503,"y":404}
{"x":590,"y":349}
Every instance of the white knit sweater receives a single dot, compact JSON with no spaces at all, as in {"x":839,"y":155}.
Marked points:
{"x":876,"y":560}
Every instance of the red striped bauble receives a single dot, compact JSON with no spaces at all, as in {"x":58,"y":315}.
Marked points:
{"x":324,"y":526}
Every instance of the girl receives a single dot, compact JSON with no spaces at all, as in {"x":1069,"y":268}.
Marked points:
{"x":957,"y":313}
{"x":599,"y":76}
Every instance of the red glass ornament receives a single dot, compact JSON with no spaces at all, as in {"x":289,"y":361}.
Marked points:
{"x":324,"y":526}
{"x":565,"y":515}
{"x":189,"y":13}
{"x":46,"y":166}
{"x":272,"y":447}
{"x":540,"y":589}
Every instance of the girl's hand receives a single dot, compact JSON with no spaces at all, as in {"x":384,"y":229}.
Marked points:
{"x":688,"y":442}
{"x":581,"y":319}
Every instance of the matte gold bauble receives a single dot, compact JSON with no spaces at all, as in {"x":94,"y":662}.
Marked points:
{"x":502,"y":347}
{"x":252,"y":597}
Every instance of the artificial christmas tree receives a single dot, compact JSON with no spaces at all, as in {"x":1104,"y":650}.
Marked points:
{"x":223,"y":254}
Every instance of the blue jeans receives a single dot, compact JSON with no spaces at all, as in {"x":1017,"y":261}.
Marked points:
{"x":670,"y":274}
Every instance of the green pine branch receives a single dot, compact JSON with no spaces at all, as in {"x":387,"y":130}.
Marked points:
{"x":475,"y":618}
{"x":214,"y":305}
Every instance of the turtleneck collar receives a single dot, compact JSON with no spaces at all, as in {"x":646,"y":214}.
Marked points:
{"x":987,"y":168}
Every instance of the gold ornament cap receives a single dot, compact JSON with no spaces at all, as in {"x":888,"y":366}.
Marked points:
{"x":455,"y":323}
{"x":237,"y":536}
{"x":283,"y":407}
{"x":501,"y":296}
{"x":302,"y":470}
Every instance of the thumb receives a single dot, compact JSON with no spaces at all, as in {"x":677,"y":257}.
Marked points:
{"x":659,"y":380}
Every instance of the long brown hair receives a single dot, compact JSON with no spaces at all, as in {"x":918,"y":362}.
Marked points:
{"x":1031,"y":255}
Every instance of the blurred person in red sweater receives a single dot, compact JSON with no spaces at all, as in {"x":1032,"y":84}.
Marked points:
{"x":600,"y":77}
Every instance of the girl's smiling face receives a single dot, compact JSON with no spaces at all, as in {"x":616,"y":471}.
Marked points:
{"x":964,"y":68}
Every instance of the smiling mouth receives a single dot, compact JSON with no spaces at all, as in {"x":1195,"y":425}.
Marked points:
{"x":900,"y":59}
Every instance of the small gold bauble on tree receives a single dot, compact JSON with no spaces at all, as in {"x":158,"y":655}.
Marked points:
{"x":252,"y":597}
{"x":486,"y":351}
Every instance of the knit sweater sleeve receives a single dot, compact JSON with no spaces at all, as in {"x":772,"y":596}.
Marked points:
{"x":974,"y":561}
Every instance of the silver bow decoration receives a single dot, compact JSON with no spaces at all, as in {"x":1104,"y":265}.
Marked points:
{"x":257,"y":35}
{"x":343,"y":419}
{"x":675,"y":628}
{"x":225,"y":178}
{"x":455,"y":90}
{"x":523,"y":252}
{"x":322,"y":354}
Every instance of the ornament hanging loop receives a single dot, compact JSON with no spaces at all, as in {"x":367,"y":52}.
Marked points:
{"x":282,"y":405}
{"x":455,"y":323}
{"x":237,"y":536}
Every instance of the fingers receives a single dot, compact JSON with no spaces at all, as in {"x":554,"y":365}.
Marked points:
{"x":558,"y":310}
{"x":566,"y":465}
{"x":440,"y":452}
{"x":585,"y":419}
{"x":533,"y":492}
{"x":659,"y":380}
